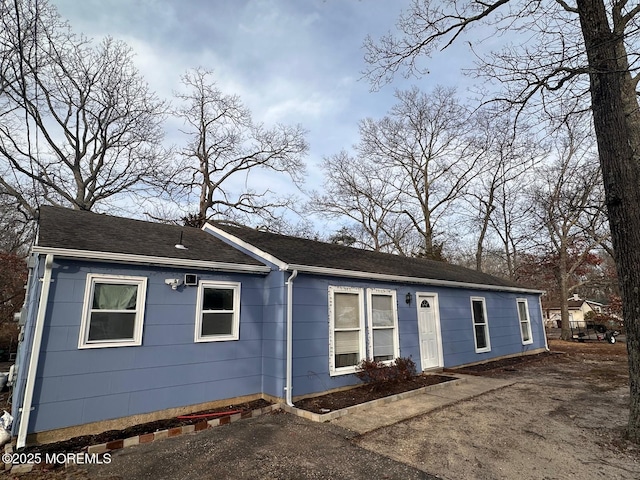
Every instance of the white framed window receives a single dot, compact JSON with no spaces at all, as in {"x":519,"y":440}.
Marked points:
{"x":525,"y":322}
{"x":218,"y":311}
{"x":480,"y":325}
{"x":113,"y":311}
{"x":382,"y":316}
{"x":346,"y":329}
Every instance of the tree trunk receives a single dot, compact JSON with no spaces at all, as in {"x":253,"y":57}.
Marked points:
{"x":563,"y":283}
{"x":616,"y":137}
{"x":483,"y":230}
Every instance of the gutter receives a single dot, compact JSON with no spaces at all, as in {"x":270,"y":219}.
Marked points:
{"x":403,"y":279}
{"x":339,"y":272}
{"x":25,"y":411}
{"x":288,"y":386}
{"x":150,"y":260}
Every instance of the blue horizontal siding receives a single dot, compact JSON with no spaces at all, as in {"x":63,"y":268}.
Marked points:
{"x":169,"y":369}
{"x":274,"y":334}
{"x":311,"y":327}
{"x":75,"y":386}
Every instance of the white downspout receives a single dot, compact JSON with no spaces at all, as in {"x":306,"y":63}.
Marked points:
{"x":35,"y":354}
{"x":544,"y":329}
{"x":288,"y":386}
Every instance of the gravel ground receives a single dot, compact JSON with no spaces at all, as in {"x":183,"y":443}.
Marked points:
{"x":563,"y":419}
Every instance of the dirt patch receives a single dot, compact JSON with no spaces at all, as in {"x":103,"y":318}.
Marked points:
{"x":366,"y":393}
{"x":564,"y":418}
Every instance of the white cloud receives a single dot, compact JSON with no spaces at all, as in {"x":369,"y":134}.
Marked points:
{"x":290,"y":61}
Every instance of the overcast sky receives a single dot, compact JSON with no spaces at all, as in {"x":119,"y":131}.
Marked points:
{"x":290,"y":61}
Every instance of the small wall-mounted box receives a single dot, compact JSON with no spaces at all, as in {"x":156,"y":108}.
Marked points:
{"x":190,"y":279}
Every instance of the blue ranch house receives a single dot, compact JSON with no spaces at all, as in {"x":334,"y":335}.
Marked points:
{"x":128,"y":321}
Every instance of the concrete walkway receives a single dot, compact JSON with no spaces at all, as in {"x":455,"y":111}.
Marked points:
{"x":367,"y":420}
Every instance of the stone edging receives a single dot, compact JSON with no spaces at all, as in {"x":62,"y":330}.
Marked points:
{"x":151,"y":437}
{"x":325,"y":417}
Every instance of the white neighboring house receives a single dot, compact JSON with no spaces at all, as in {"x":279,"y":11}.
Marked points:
{"x":578,"y":308}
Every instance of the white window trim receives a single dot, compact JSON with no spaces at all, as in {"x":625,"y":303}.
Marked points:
{"x":527,"y":320}
{"x":333,"y":370}
{"x":394,"y":306}
{"x":92,"y":279}
{"x":235,"y":327}
{"x":486,"y":325}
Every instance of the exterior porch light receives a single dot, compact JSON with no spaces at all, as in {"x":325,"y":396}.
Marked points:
{"x":408,"y":298}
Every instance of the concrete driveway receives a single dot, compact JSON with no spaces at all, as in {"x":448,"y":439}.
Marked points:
{"x":274,"y":446}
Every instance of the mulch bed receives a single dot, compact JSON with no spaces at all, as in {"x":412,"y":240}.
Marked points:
{"x":366,"y":393}
{"x":76,"y":444}
{"x":506,"y":364}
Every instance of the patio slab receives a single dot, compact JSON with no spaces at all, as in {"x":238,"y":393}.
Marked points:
{"x":381,"y":415}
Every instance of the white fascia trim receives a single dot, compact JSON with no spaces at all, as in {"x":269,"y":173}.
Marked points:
{"x":402,"y":279}
{"x":247,"y":246}
{"x":149,"y":260}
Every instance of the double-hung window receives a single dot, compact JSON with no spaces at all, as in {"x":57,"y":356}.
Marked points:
{"x":348,"y":343}
{"x":525,"y":322}
{"x":113,"y":311}
{"x":383,"y":324}
{"x":480,"y":325}
{"x":346,"y":329}
{"x":218,"y":311}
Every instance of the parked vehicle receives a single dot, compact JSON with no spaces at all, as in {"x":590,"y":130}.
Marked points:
{"x":589,"y":330}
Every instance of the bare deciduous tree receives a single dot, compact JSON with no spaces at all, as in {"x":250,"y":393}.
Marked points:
{"x":568,"y":205}
{"x":510,"y":152}
{"x":78,"y":125}
{"x":423,"y":147}
{"x":16,"y":226}
{"x":223,"y":144}
{"x":510,"y":224}
{"x":13,"y":276}
{"x":570,"y":41}
{"x":359,"y":190}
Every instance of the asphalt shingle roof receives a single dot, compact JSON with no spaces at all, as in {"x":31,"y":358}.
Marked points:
{"x":80,"y":230}
{"x":300,"y":251}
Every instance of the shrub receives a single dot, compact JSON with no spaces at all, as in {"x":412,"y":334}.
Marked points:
{"x":406,"y":368}
{"x":373,"y":372}
{"x":379,"y":375}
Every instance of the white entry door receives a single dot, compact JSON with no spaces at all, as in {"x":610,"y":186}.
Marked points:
{"x":429,"y":330}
